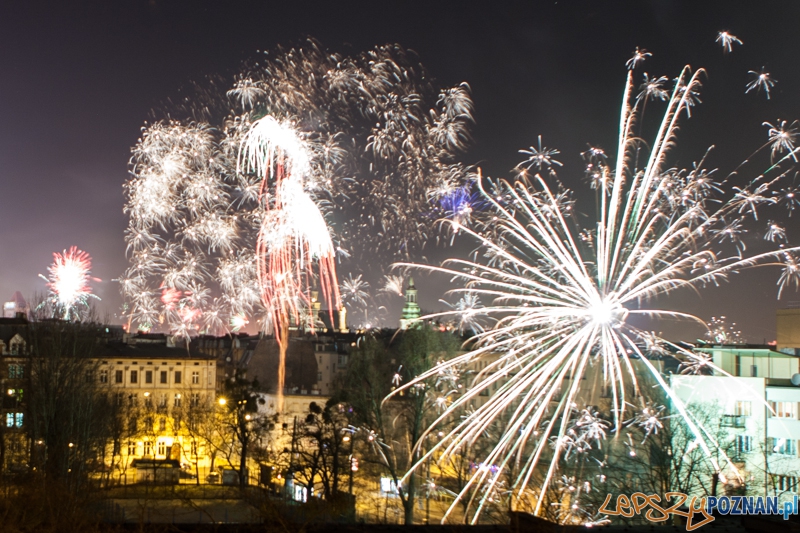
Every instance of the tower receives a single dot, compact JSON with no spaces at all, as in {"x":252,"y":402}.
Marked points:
{"x":411,"y":311}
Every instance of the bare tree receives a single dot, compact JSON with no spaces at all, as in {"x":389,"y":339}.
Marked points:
{"x":69,"y":411}
{"x":393,"y":428}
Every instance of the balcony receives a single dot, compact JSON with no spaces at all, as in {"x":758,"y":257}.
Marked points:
{"x":733,"y":421}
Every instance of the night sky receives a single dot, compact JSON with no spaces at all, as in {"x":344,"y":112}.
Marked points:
{"x":78,"y":80}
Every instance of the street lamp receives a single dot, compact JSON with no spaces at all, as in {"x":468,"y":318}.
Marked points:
{"x":222,"y":401}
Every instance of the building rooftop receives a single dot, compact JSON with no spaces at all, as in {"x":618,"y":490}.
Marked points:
{"x":147,"y":350}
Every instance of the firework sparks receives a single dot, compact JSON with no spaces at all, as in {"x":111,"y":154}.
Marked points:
{"x":762,"y":81}
{"x":722,"y":332}
{"x":782,"y":137}
{"x":726,"y":40}
{"x":268,"y":160}
{"x":639,"y":55}
{"x":68,"y":281}
{"x":354,"y":290}
{"x":562,"y":296}
{"x":393,"y":284}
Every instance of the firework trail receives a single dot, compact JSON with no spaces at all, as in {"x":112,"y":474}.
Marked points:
{"x":215,"y":199}
{"x":293,"y":232}
{"x":68,"y":282}
{"x":561,"y":297}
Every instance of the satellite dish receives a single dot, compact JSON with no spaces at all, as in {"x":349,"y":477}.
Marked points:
{"x":796,"y":380}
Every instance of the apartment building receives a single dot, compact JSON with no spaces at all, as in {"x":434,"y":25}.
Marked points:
{"x":156,"y":383}
{"x":758,"y":394}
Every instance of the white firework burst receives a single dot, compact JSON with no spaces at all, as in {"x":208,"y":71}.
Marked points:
{"x":562,"y":296}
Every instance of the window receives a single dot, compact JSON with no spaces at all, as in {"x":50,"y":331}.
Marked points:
{"x":785,"y":483}
{"x":131,"y":448}
{"x":120,"y":398}
{"x":743,"y":408}
{"x":89,"y":377}
{"x":148,"y":400}
{"x":195,"y":399}
{"x":744,"y":443}
{"x":118,"y":376}
{"x":164,"y":376}
{"x":784,"y":446}
{"x":14,"y":396}
{"x":162,"y":448}
{"x":148,"y":376}
{"x":177,"y":377}
{"x":133,"y":426}
{"x":195,"y":378}
{"x":14,"y":420}
{"x":104,"y":376}
{"x":784,"y":409}
{"x":177,"y":400}
{"x":134,"y":376}
{"x":15,"y":372}
{"x":162,"y":402}
{"x":162,"y":424}
{"x":342,"y":360}
{"x":319,"y":376}
{"x":148,"y":448}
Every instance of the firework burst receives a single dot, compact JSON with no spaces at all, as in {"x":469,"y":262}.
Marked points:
{"x":68,"y":282}
{"x":216,"y":201}
{"x":562,"y":297}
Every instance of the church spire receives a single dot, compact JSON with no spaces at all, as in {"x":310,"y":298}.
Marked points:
{"x":411,"y":311}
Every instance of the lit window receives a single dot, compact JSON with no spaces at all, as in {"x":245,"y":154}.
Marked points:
{"x":195,"y":378}
{"x":148,"y":447}
{"x":162,"y":448}
{"x":131,"y":448}
{"x":177,"y":400}
{"x":104,"y":376}
{"x":14,"y":420}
